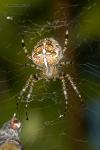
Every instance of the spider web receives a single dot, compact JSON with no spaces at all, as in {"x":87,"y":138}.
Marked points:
{"x":47,"y":123}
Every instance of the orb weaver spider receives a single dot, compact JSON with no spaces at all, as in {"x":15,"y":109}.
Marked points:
{"x":48,"y":56}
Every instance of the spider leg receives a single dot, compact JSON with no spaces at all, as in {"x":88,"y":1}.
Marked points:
{"x":66,"y":41}
{"x":64,"y":91}
{"x":35,"y":78}
{"x":27,"y":100}
{"x":29,"y":65}
{"x":25,"y":49}
{"x":74,"y":86}
{"x":29,"y":85}
{"x":25,"y":87}
{"x":20,"y":97}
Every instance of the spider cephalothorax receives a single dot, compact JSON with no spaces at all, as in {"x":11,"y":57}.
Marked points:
{"x":47,"y":56}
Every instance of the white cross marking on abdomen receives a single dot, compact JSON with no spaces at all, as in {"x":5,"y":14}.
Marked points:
{"x":44,"y":55}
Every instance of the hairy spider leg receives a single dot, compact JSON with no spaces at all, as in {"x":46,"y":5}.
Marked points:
{"x":64,"y":91}
{"x":25,"y":87}
{"x":27,"y":100}
{"x":74,"y":86}
{"x":25,"y":49}
{"x":66,"y":41}
{"x":35,"y":78}
{"x":20,"y":97}
{"x":23,"y":90}
{"x":29,"y":84}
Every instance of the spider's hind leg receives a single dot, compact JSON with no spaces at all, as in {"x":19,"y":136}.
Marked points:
{"x":25,"y":88}
{"x":27,"y":97}
{"x":34,"y":79}
{"x":21,"y":94}
{"x":27,"y":100}
{"x":65,"y":88}
{"x":74,"y":87}
{"x":64,"y":91}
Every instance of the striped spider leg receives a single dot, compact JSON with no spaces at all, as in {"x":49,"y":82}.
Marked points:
{"x":69,"y":78}
{"x":28,"y":87}
{"x":25,"y":49}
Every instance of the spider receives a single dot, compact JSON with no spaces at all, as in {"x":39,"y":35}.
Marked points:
{"x":48,"y":56}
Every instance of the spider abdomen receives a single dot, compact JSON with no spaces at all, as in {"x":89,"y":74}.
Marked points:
{"x":47,"y":52}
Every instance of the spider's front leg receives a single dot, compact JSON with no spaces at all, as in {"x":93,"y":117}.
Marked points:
{"x":28,"y":86}
{"x":66,"y":41}
{"x":25,"y":49}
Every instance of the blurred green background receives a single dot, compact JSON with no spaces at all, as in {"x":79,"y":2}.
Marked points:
{"x":33,"y":20}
